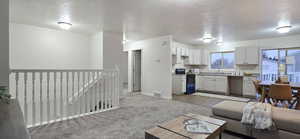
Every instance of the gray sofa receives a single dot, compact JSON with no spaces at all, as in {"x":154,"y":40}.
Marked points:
{"x":287,"y":121}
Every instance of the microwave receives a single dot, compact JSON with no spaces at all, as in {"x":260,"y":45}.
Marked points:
{"x":179,"y":71}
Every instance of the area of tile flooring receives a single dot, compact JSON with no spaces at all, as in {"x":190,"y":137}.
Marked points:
{"x":136,"y":114}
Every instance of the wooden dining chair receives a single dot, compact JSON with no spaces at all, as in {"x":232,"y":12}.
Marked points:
{"x":281,"y":93}
{"x":259,"y":90}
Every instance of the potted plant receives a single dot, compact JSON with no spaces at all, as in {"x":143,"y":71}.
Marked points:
{"x":4,"y":95}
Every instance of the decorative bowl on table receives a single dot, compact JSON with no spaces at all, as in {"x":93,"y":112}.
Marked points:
{"x":197,"y":126}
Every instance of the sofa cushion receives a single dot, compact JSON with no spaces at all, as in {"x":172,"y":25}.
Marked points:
{"x":229,"y":109}
{"x":286,"y":119}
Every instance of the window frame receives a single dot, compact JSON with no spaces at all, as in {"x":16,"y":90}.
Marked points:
{"x":222,"y":61}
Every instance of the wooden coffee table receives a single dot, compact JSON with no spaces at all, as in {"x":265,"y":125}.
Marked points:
{"x":174,"y":129}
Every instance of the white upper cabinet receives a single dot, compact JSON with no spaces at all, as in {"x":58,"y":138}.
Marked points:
{"x":197,"y":57}
{"x":239,"y":55}
{"x":174,"y":50}
{"x":252,"y":55}
{"x":184,"y":52}
{"x":246,"y":56}
{"x":204,"y":54}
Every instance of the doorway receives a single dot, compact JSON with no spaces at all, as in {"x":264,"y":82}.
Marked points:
{"x":137,"y":67}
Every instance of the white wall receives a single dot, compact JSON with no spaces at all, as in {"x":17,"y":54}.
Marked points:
{"x":4,"y":42}
{"x":34,"y":47}
{"x":97,"y":50}
{"x":113,"y":53}
{"x":156,"y":65}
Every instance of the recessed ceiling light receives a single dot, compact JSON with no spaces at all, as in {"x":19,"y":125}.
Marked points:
{"x":207,"y":38}
{"x":64,"y":25}
{"x":219,"y":43}
{"x":284,"y":29}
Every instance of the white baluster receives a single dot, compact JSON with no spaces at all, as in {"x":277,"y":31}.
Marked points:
{"x":55,"y":91}
{"x":78,"y":93}
{"x":48,"y":97}
{"x":114,"y":88}
{"x":102,"y":91}
{"x":105,"y":89}
{"x":25,"y":98}
{"x":97,"y":91}
{"x":111,"y":90}
{"x":93,"y":92}
{"x":33,"y":98}
{"x":17,"y":85}
{"x":73,"y":97}
{"x":118,"y":87}
{"x":61,"y":96}
{"x":83,"y":92}
{"x":41,"y":98}
{"x":89,"y":90}
{"x":67,"y":98}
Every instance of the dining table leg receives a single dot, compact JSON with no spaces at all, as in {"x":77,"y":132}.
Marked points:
{"x":263,"y":96}
{"x":297,"y":107}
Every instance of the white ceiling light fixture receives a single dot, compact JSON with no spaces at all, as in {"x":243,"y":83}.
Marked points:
{"x":219,"y":43}
{"x":64,"y":25}
{"x":284,"y":29}
{"x":207,"y":38}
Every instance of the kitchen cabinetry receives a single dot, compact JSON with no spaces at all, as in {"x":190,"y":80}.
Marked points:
{"x":178,"y":84}
{"x":184,"y":52}
{"x":194,"y":58}
{"x":176,"y":55}
{"x":174,"y":51}
{"x":221,"y":84}
{"x":212,"y":83}
{"x":246,"y":56}
{"x":248,"y":87}
{"x":197,"y":57}
{"x":204,"y":54}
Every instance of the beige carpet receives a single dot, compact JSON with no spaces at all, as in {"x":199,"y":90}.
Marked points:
{"x":137,"y":113}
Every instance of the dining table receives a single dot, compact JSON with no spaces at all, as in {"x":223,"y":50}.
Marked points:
{"x":267,"y":84}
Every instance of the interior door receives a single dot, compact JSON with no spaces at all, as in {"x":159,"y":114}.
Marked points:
{"x":137,"y":71}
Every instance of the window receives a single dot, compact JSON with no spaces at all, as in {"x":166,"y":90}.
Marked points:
{"x":281,"y":62}
{"x":222,"y":60}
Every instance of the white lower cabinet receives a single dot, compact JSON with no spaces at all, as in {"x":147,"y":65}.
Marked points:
{"x":248,"y":87}
{"x":178,"y":84}
{"x":221,"y":84}
{"x":212,"y":83}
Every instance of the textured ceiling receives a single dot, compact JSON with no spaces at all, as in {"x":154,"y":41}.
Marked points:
{"x":186,"y":20}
